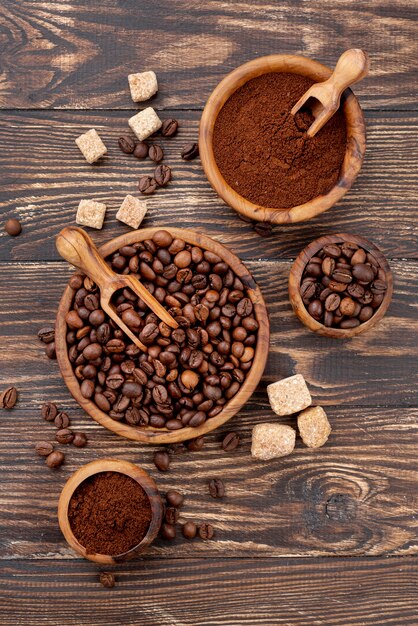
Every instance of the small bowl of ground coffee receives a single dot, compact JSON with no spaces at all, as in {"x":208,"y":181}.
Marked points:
{"x":257,"y":156}
{"x":110,"y":511}
{"x":340,"y":285}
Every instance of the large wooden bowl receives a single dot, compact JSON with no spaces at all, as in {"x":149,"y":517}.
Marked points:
{"x":295,"y":277}
{"x":356,"y":139}
{"x":123,"y":467}
{"x":147,"y":434}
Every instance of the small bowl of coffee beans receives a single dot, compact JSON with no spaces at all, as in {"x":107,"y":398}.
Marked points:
{"x":340,"y":285}
{"x":110,"y":511}
{"x":191,"y":379}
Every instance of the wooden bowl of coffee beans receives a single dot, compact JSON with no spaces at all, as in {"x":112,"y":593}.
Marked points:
{"x":191,"y":379}
{"x":340,"y":285}
{"x":256,"y":155}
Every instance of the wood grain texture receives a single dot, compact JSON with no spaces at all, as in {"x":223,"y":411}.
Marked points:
{"x":44,"y":177}
{"x":71,"y":55}
{"x":248,"y":592}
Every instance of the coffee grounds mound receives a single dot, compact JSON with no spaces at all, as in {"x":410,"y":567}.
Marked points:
{"x":109,"y":513}
{"x":263,"y":151}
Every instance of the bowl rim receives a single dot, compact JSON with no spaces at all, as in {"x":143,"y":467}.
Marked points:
{"x":160,"y":436}
{"x":296,"y":274}
{"x":356,"y":139}
{"x":122,"y":467}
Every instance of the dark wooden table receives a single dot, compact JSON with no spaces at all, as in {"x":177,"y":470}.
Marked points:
{"x":320,"y":537}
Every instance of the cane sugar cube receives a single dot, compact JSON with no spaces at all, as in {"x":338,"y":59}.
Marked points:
{"x":91,"y":146}
{"x":142,"y":85}
{"x":270,"y":441}
{"x":91,"y":213}
{"x":289,"y":395}
{"x":314,"y":427}
{"x":145,"y":123}
{"x":132,"y":211}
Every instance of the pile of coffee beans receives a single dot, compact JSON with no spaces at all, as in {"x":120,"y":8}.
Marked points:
{"x":64,"y":436}
{"x":174,"y":502}
{"x":343,"y":285}
{"x":188,"y":374}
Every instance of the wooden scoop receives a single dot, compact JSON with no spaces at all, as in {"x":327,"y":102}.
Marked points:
{"x":352,"y":66}
{"x":76,"y":247}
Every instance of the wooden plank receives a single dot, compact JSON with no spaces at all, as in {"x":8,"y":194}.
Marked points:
{"x":222,"y":592}
{"x":379,"y":367}
{"x":354,"y":496}
{"x":44,"y":177}
{"x":71,"y":55}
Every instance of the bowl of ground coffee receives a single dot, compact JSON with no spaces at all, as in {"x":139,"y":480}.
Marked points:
{"x":257,"y":156}
{"x":110,"y":511}
{"x":340,"y":285}
{"x":191,"y":379}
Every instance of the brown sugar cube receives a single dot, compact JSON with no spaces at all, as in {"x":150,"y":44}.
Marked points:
{"x":132,"y":211}
{"x":314,"y":427}
{"x":142,"y":85}
{"x":270,"y":441}
{"x":289,"y":395}
{"x":91,"y":146}
{"x":145,"y":123}
{"x":90,"y":213}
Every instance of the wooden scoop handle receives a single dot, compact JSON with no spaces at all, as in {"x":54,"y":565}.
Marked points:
{"x":76,"y":247}
{"x":352,"y":66}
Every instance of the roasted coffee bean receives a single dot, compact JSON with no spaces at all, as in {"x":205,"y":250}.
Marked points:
{"x":363,"y":272}
{"x":332,"y":302}
{"x":156,"y":153}
{"x":307,"y":290}
{"x":171,"y":515}
{"x":80,"y":440}
{"x":101,"y":401}
{"x":378,"y":287}
{"x":328,"y":265}
{"x":315,"y":309}
{"x":162,"y":175}
{"x":230,"y":442}
{"x":65,"y":436}
{"x":342,"y":276}
{"x":366,"y":313}
{"x":169,"y":128}
{"x":190,"y":151}
{"x":8,"y":398}
{"x":332,"y":250}
{"x":132,"y":389}
{"x":141,"y":150}
{"x":147,"y":185}
{"x":44,"y":448}
{"x":87,"y":389}
{"x":168,"y":531}
{"x":194,"y":445}
{"x":49,"y":411}
{"x":206,"y":531}
{"x":216,"y":488}
{"x":13,"y":227}
{"x":162,"y":460}
{"x":55,"y":459}
{"x":189,"y":530}
{"x":46,"y":334}
{"x":107,"y":579}
{"x":127,"y":144}
{"x":174,"y":498}
{"x":351,"y":322}
{"x":62,"y":420}
{"x":264,"y":229}
{"x":347,"y":307}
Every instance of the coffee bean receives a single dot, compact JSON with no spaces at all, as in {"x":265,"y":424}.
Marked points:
{"x":332,"y":302}
{"x":366,"y":313}
{"x":342,"y":276}
{"x":194,"y":445}
{"x":171,"y":515}
{"x":190,"y":151}
{"x":315,"y":309}
{"x":64,"y":436}
{"x":189,"y":530}
{"x":80,"y":440}
{"x":351,"y":322}
{"x":328,"y":265}
{"x":107,"y":579}
{"x":62,"y":420}
{"x":147,"y":185}
{"x":162,"y":460}
{"x":46,"y":334}
{"x":13,"y":227}
{"x":230,"y":442}
{"x":174,"y":498}
{"x":216,"y":488}
{"x":332,"y":250}
{"x":363,"y":272}
{"x":168,"y":531}
{"x":55,"y":459}
{"x":141,"y":150}
{"x":156,"y":153}
{"x":49,"y":411}
{"x":8,"y":398}
{"x":162,"y":175}
{"x":347,"y":307}
{"x":169,"y":127}
{"x":206,"y":531}
{"x":44,"y":448}
{"x":127,"y":144}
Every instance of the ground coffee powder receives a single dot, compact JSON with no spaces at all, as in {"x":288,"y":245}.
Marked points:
{"x":262,"y":150}
{"x":109,"y":513}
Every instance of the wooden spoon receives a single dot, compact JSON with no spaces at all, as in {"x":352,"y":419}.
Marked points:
{"x":352,"y":66}
{"x":76,"y":247}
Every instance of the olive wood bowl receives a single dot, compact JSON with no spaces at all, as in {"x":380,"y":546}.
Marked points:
{"x":123,"y":467}
{"x":356,"y":139}
{"x":147,"y":434}
{"x":296,"y":275}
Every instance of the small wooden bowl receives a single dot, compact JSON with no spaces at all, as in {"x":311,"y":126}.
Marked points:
{"x":356,"y":139}
{"x":296,"y":275}
{"x":123,"y":467}
{"x":147,"y":434}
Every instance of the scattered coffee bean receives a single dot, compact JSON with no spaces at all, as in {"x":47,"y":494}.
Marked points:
{"x":162,"y":460}
{"x":190,"y":151}
{"x":55,"y":459}
{"x":13,"y":227}
{"x":216,"y":488}
{"x":64,"y":436}
{"x":162,"y":175}
{"x":8,"y":398}
{"x":171,"y":515}
{"x":206,"y":531}
{"x":189,"y":530}
{"x":156,"y":153}
{"x":47,"y":334}
{"x":194,"y":445}
{"x":141,"y":150}
{"x":147,"y":185}
{"x":107,"y":579}
{"x":127,"y":144}
{"x":264,"y":229}
{"x":169,"y":128}
{"x":230,"y":442}
{"x":174,"y":498}
{"x":168,"y":531}
{"x":80,"y":440}
{"x":49,"y":411}
{"x":44,"y":448}
{"x":50,"y":350}
{"x":62,"y":420}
